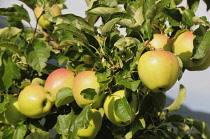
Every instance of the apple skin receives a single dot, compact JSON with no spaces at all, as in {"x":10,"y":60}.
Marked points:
{"x":183,"y":47}
{"x":109,"y":107}
{"x":158,"y":70}
{"x":44,"y":23}
{"x":160,"y":41}
{"x":33,"y":101}
{"x":58,"y":79}
{"x":95,"y":121}
{"x":84,"y":80}
{"x":205,"y":64}
{"x":12,"y":113}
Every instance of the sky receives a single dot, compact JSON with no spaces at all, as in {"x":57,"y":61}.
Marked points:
{"x":197,"y":83}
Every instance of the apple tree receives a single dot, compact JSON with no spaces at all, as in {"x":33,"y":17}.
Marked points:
{"x":102,"y":76}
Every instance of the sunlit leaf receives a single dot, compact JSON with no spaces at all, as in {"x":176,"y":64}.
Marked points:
{"x":38,"y":134}
{"x":122,"y":109}
{"x":64,"y":96}
{"x":104,"y":11}
{"x":202,"y":128}
{"x":20,"y":132}
{"x":7,"y":32}
{"x":178,"y":101}
{"x":109,"y":26}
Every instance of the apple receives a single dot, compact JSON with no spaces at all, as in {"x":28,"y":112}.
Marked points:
{"x":109,"y":107}
{"x":45,"y":23}
{"x":160,"y":41}
{"x":158,"y":70}
{"x":205,"y":64}
{"x":12,"y":113}
{"x":58,"y":79}
{"x":95,"y":121}
{"x":183,"y":47}
{"x":33,"y":101}
{"x":84,"y":80}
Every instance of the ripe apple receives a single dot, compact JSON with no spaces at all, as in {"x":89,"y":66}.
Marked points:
{"x":160,"y":41}
{"x":45,"y":23}
{"x":84,"y":80}
{"x":33,"y":101}
{"x":12,"y":113}
{"x":204,"y":65}
{"x":183,"y":47}
{"x":158,"y":70}
{"x":95,"y":121}
{"x":109,"y":107}
{"x":58,"y":79}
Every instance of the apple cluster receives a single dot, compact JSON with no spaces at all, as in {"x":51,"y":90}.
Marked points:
{"x":161,"y":66}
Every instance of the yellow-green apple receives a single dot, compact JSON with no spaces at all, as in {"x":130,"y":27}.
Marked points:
{"x":84,"y":80}
{"x":12,"y":113}
{"x":109,"y":107}
{"x":58,"y":79}
{"x":158,"y":70}
{"x":40,"y":16}
{"x":33,"y":101}
{"x":95,"y":121}
{"x":160,"y":41}
{"x":183,"y":47}
{"x":205,"y":64}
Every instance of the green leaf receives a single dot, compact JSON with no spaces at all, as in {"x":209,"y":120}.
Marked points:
{"x":175,"y":119}
{"x":8,"y":32}
{"x":8,"y":133}
{"x":63,"y":96}
{"x":63,"y":124}
{"x":10,"y":46}
{"x":20,"y":132}
{"x":193,"y":5}
{"x":109,"y":26}
{"x":76,"y":21}
{"x":178,"y":101}
{"x":188,"y":16}
{"x":202,"y":128}
{"x":89,"y":93}
{"x":146,"y":29}
{"x":75,"y":31}
{"x":11,"y":72}
{"x":17,"y":13}
{"x":37,"y":54}
{"x":81,"y":120}
{"x":122,"y":109}
{"x":4,"y":100}
{"x":174,"y":16}
{"x":203,"y":45}
{"x":124,"y":42}
{"x":104,"y":11}
{"x":38,"y":134}
{"x":159,"y":100}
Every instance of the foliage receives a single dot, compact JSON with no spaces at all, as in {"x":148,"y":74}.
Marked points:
{"x":26,"y":54}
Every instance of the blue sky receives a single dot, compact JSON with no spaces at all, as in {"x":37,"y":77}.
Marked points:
{"x":197,"y":83}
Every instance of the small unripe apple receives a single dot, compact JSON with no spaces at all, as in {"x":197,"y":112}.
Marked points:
{"x":109,"y":107}
{"x":160,"y":41}
{"x":183,"y":47}
{"x":58,"y":79}
{"x":84,"y":80}
{"x":33,"y":101}
{"x":12,"y":113}
{"x":45,"y":23}
{"x":95,"y":121}
{"x":158,"y":70}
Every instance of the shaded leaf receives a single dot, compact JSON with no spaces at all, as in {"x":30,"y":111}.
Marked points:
{"x":37,"y":54}
{"x":159,"y":100}
{"x":88,"y":93}
{"x":202,"y":128}
{"x":175,"y":119}
{"x":109,"y":26}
